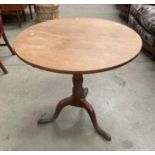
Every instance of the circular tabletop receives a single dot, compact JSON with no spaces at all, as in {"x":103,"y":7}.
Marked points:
{"x":77,"y":45}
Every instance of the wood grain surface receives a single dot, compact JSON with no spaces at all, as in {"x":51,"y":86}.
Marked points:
{"x":77,"y":45}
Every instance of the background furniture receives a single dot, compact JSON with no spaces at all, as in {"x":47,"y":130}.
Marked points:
{"x":16,"y":9}
{"x":46,"y":12}
{"x":3,"y":35}
{"x":142,"y":20}
{"x":77,"y":46}
{"x":124,"y":10}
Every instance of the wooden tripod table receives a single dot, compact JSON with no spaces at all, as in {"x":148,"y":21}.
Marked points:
{"x":77,"y":46}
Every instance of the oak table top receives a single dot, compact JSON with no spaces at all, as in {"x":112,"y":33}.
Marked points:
{"x":77,"y":45}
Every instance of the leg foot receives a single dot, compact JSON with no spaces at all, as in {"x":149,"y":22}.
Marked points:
{"x":63,"y":103}
{"x":92,"y":115}
{"x":3,"y":68}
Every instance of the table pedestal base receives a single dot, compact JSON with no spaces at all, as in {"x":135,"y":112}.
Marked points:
{"x":77,"y":99}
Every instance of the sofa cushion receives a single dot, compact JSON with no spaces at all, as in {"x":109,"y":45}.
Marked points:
{"x":149,"y":38}
{"x":145,"y":15}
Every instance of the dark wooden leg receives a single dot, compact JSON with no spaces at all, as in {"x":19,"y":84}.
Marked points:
{"x":63,"y":103}
{"x":92,"y":115}
{"x":18,"y":18}
{"x":153,"y":56}
{"x":78,"y":99}
{"x":7,"y":43}
{"x":30,"y":11}
{"x":3,"y":68}
{"x":24,"y":15}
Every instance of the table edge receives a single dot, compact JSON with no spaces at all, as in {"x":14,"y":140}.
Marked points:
{"x":79,"y":72}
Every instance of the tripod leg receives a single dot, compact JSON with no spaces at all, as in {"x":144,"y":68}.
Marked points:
{"x":88,"y":107}
{"x":63,"y":103}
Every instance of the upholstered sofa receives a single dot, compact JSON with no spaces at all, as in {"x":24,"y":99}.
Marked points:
{"x":124,"y":10}
{"x":142,"y":19}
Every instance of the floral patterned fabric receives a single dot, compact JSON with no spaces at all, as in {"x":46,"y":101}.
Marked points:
{"x":142,"y":19}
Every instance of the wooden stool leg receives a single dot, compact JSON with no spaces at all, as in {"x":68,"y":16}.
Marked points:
{"x":18,"y":18}
{"x":24,"y":15}
{"x":30,"y":11}
{"x":7,"y":43}
{"x":3,"y":68}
